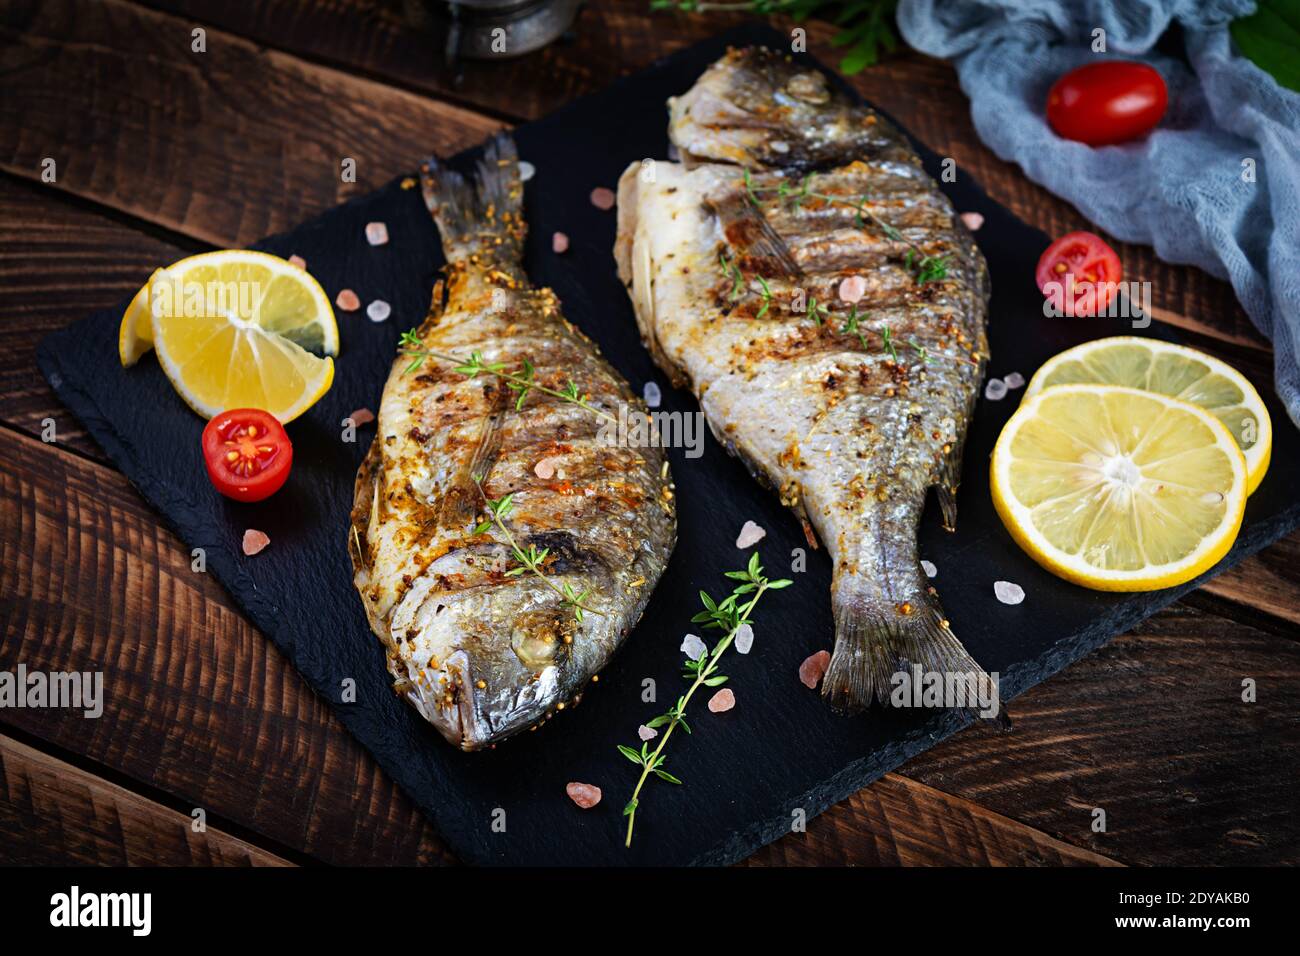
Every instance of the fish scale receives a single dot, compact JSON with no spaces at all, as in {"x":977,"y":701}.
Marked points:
{"x":480,"y":646}
{"x":851,"y":411}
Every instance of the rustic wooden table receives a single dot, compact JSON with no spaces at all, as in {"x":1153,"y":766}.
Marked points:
{"x":161,"y":151}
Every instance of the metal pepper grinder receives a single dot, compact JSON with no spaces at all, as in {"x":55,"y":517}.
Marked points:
{"x":492,"y":29}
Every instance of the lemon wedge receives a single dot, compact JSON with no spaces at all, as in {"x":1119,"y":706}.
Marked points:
{"x":233,"y":329}
{"x":1119,"y":489}
{"x":135,"y":334}
{"x":1177,"y":371}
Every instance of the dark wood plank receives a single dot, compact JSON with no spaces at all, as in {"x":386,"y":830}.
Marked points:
{"x":616,"y":37}
{"x":373,"y":37}
{"x":225,"y":146}
{"x":197,"y":703}
{"x":1151,"y":729}
{"x":941,"y":830}
{"x":1268,"y":583}
{"x":55,"y":814}
{"x":59,"y":261}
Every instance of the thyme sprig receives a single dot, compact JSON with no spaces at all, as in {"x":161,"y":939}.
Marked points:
{"x":727,"y":615}
{"x":732,"y":271}
{"x":530,"y":561}
{"x":521,"y":382}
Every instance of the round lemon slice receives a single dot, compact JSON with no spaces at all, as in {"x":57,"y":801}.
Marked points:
{"x":1171,"y":370}
{"x":1118,"y":489}
{"x":232,"y":330}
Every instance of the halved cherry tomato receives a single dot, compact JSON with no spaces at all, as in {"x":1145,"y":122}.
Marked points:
{"x":247,"y":454}
{"x":1108,"y":102}
{"x":1079,"y":274}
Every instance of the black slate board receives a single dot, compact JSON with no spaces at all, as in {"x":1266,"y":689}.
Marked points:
{"x":746,"y":772}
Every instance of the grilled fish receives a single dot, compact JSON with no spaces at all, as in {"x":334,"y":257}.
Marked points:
{"x":480,"y":644}
{"x":849,"y":398}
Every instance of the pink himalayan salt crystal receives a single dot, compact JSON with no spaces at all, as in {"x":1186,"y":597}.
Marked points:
{"x":544,"y":469}
{"x":973,"y":220}
{"x":722,"y":701}
{"x":646,"y":733}
{"x":362,"y":416}
{"x":377,"y":233}
{"x":347,"y":301}
{"x":602,"y":198}
{"x":298,"y":262}
{"x":853,"y":289}
{"x":750,"y":534}
{"x":254,"y":541}
{"x":583,"y":794}
{"x":559,"y":243}
{"x":812,"y":670}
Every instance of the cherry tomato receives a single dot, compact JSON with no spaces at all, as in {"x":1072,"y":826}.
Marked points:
{"x":1079,"y":274}
{"x":247,"y":454}
{"x":1107,"y":102}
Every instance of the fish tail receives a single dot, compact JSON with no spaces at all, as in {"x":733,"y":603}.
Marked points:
{"x":874,"y":641}
{"x":483,"y":213}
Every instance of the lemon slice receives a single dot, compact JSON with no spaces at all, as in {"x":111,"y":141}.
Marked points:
{"x":1171,"y":370}
{"x":233,"y":328}
{"x":1118,"y":489}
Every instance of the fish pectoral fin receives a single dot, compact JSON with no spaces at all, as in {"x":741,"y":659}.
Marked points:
{"x":947,"y":505}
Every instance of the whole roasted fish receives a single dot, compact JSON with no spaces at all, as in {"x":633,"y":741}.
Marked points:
{"x":503,"y":547}
{"x":812,"y":285}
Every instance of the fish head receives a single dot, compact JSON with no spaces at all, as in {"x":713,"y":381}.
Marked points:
{"x":482,"y":663}
{"x":762,"y":109}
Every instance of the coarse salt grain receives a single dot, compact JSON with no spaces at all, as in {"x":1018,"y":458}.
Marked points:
{"x":646,"y":733}
{"x":929,"y":568}
{"x":1014,"y":380}
{"x":583,"y":794}
{"x":377,"y":233}
{"x":744,"y":639}
{"x":693,"y":647}
{"x":652,"y":395}
{"x":347,"y":300}
{"x":750,"y":534}
{"x":995,"y":390}
{"x":973,"y":220}
{"x":813,"y":669}
{"x":298,"y":262}
{"x":362,"y":416}
{"x":722,"y":701}
{"x":254,"y":541}
{"x":526,"y":170}
{"x":1008,"y":593}
{"x":544,"y":469}
{"x":379,"y":310}
{"x":853,"y":289}
{"x":559,"y":243}
{"x":602,"y":198}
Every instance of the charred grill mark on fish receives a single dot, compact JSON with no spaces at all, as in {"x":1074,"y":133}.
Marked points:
{"x":480,"y":652}
{"x":852,"y":410}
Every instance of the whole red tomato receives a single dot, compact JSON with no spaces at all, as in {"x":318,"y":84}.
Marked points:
{"x":247,"y":454}
{"x":1108,"y":102}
